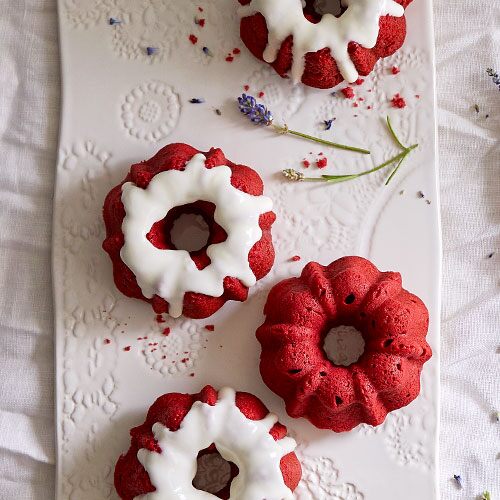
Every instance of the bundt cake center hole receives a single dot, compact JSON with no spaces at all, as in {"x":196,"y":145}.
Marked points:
{"x":343,"y":345}
{"x":190,"y":232}
{"x":214,"y":474}
{"x":314,"y":10}
{"x":189,"y":227}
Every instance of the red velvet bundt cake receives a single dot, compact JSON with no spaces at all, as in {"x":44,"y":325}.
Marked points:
{"x":180,"y":428}
{"x":140,"y":212}
{"x":322,"y":50}
{"x":350,"y":291}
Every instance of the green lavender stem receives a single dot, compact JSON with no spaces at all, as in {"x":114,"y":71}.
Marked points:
{"x":336,"y":179}
{"x":285,"y":130}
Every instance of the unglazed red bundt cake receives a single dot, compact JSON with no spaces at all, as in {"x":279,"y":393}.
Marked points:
{"x":322,"y":50}
{"x":350,"y":291}
{"x":180,"y":428}
{"x":140,"y":212}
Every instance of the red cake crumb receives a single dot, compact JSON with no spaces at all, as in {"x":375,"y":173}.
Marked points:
{"x":395,"y":70}
{"x":348,"y":92}
{"x":184,"y":360}
{"x":398,"y":101}
{"x":210,"y":328}
{"x":200,"y":9}
{"x":166,"y":331}
{"x":193,"y":39}
{"x":236,"y":50}
{"x":321,"y":162}
{"x":306,"y":163}
{"x":417,"y":96}
{"x":159,"y":318}
{"x":246,"y":88}
{"x":191,"y":374}
{"x":295,"y":258}
{"x":261,"y":94}
{"x":368,"y":107}
{"x":355,"y":105}
{"x":127,"y":348}
{"x":359,"y":81}
{"x":200,"y":23}
{"x":107,"y":341}
{"x":229,"y":58}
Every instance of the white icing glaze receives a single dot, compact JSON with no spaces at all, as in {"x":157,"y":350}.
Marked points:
{"x":359,"y":23}
{"x":245,"y":442}
{"x":171,"y":273}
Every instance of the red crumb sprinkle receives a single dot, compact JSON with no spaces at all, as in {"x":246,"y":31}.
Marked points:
{"x":361,"y":99}
{"x":164,"y":356}
{"x":398,"y":102}
{"x":359,"y":81}
{"x":395,"y":70}
{"x":295,"y":258}
{"x":236,"y":50}
{"x":201,"y":23}
{"x":139,"y":338}
{"x":200,"y":9}
{"x":127,"y":349}
{"x":348,"y":92}
{"x":210,"y":328}
{"x":159,"y":318}
{"x":229,"y":58}
{"x":191,"y":374}
{"x":107,"y":341}
{"x":193,"y":39}
{"x":166,"y":332}
{"x":145,"y":338}
{"x":246,"y":87}
{"x":320,"y":154}
{"x":261,"y":94}
{"x":368,"y":107}
{"x":417,"y":96}
{"x":184,"y":360}
{"x":306,"y":163}
{"x":355,"y":105}
{"x":321,"y":162}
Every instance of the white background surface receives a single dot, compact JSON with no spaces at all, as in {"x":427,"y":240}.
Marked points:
{"x":468,"y":41}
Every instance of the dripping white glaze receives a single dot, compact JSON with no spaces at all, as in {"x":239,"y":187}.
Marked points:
{"x":359,"y":23}
{"x":171,"y":273}
{"x":245,"y":442}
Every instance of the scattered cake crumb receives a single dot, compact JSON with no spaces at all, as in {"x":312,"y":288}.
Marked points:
{"x":295,"y":258}
{"x":348,"y":92}
{"x":193,"y":39}
{"x":127,"y":348}
{"x":395,"y":70}
{"x":398,"y":101}
{"x":322,"y":162}
{"x":210,"y":328}
{"x":166,"y":331}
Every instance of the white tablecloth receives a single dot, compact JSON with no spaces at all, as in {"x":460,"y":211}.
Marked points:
{"x":467,"y":40}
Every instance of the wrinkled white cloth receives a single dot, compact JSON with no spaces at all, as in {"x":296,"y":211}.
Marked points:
{"x":467,"y":40}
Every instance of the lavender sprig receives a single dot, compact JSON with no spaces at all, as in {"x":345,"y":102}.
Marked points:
{"x":494,"y":76}
{"x":260,"y":115}
{"x":293,"y":175}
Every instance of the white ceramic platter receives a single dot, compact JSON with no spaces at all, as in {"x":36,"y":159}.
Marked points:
{"x":120,"y":106}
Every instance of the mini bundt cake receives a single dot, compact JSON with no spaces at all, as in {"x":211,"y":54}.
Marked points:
{"x":180,"y":428}
{"x":350,"y":291}
{"x":322,"y":50}
{"x":140,"y":212}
